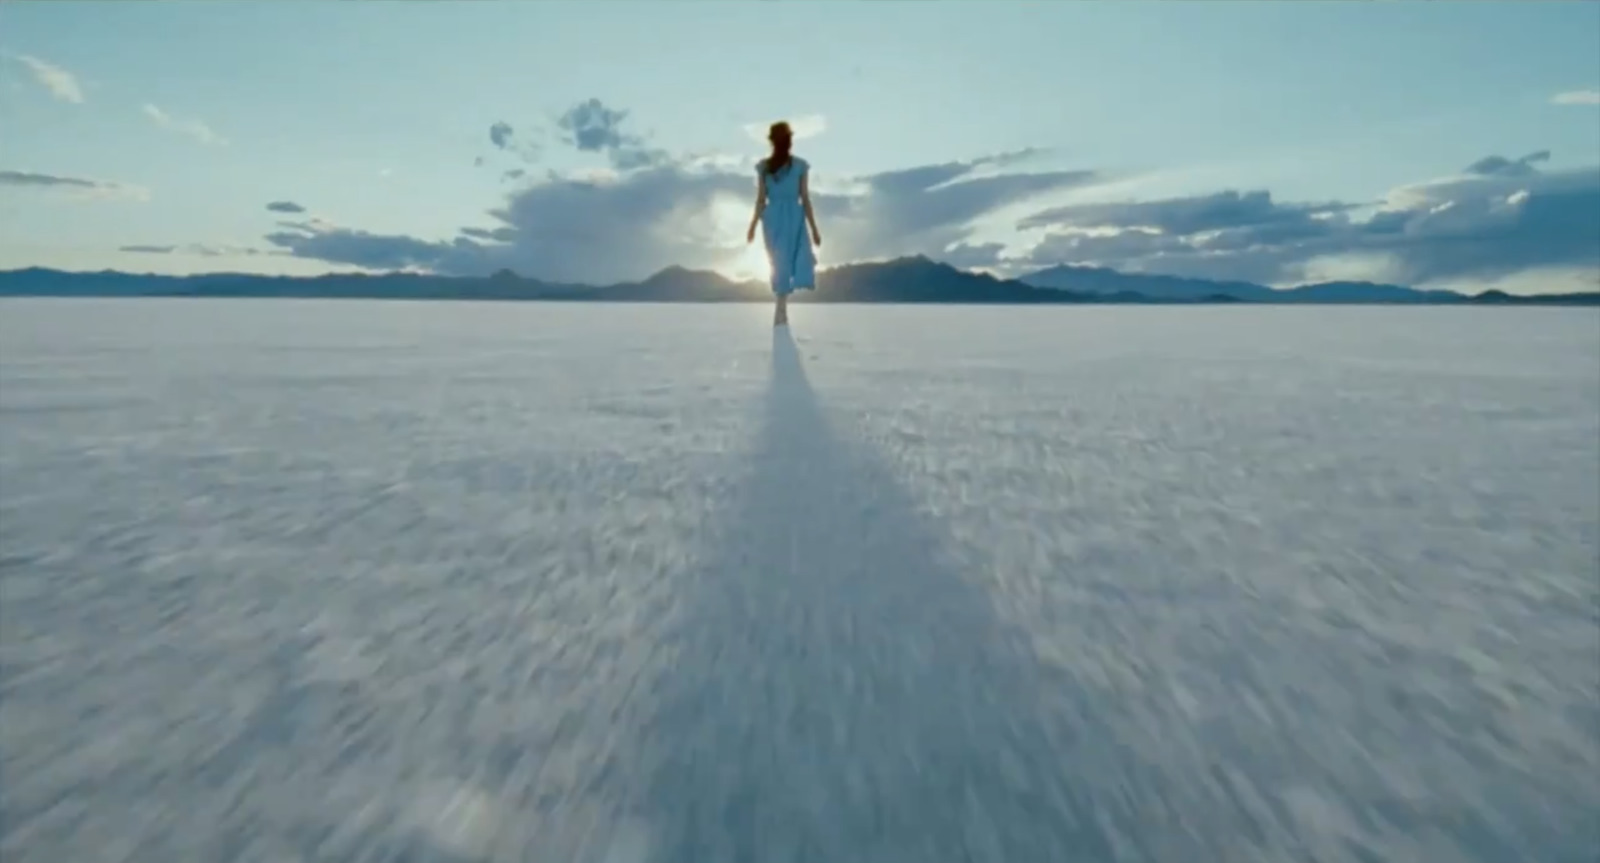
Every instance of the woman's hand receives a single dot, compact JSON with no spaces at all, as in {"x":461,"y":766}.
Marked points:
{"x":750,"y":235}
{"x":816,"y":237}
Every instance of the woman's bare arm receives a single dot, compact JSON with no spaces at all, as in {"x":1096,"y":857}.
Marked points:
{"x":761,"y":204}
{"x":805,"y":201}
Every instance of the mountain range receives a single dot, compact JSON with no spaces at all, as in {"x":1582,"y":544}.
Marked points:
{"x":903,"y":280}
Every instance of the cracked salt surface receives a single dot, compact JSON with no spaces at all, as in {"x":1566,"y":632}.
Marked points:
{"x":300,"y":581}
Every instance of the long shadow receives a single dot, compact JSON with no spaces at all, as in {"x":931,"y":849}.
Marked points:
{"x":839,"y":692}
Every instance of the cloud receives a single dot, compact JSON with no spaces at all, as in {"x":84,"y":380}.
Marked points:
{"x":648,"y":209}
{"x":60,"y":83}
{"x":500,"y":134}
{"x":204,"y":250}
{"x":1498,"y":217}
{"x":496,"y":235}
{"x":285,"y":207}
{"x":1497,"y":166}
{"x":195,"y":129}
{"x":592,"y":127}
{"x":90,"y":187}
{"x":28,"y":178}
{"x":974,"y":257}
{"x":378,"y":251}
{"x":525,"y":148}
{"x":804,"y":126}
{"x":932,"y":208}
{"x":1221,"y":211}
{"x":1577,"y":97}
{"x":626,"y":224}
{"x":507,"y":139}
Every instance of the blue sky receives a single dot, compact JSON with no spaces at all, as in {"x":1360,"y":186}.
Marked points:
{"x":1452,"y":144}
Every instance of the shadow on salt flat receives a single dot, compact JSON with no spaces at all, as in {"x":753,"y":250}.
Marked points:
{"x":837,"y":691}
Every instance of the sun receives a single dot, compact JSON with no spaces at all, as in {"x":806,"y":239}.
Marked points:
{"x":730,"y":219}
{"x":751,"y":262}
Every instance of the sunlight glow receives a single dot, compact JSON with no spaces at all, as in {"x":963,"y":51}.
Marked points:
{"x":731,"y":218}
{"x":751,"y":263}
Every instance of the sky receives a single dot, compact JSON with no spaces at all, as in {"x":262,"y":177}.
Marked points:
{"x":1441,"y":144}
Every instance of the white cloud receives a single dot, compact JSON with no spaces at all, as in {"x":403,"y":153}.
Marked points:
{"x":195,"y":129}
{"x":804,"y":126}
{"x":1540,"y":280}
{"x":1577,"y":97}
{"x":1497,"y":217}
{"x":624,"y":225}
{"x":62,"y":84}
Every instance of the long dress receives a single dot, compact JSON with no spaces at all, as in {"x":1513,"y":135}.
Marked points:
{"x":783,"y":226}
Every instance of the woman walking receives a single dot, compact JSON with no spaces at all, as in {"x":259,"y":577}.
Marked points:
{"x":783,"y":207}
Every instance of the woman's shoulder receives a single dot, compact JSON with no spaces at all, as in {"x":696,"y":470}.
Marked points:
{"x":761,"y":163}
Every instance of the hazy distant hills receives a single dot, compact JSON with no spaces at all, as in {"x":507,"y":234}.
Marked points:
{"x":904,"y":280}
{"x":1097,"y":280}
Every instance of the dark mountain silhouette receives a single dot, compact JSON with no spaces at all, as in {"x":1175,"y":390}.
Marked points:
{"x":1098,"y":280}
{"x":903,"y":280}
{"x":920,"y":280}
{"x":1102,"y":281}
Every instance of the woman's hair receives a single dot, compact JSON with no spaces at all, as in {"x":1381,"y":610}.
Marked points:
{"x":782,"y":138}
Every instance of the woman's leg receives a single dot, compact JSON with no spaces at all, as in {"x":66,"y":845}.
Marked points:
{"x":780,"y":315}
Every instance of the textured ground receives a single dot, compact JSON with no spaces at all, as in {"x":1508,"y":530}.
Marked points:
{"x":327,"y":583}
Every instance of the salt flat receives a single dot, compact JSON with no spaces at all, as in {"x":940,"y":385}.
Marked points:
{"x":338,"y":582}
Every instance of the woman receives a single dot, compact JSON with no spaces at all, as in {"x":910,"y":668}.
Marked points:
{"x":783,"y":207}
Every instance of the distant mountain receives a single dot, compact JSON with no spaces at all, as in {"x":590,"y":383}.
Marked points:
{"x":903,"y":280}
{"x":1102,"y":281}
{"x":1099,"y":280}
{"x":920,"y":280}
{"x":678,"y":284}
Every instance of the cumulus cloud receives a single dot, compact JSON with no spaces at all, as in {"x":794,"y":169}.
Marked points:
{"x":59,"y":82}
{"x":1577,"y":97}
{"x":1498,"y":217}
{"x":803,"y":126}
{"x":647,"y":209}
{"x":195,"y":129}
{"x":626,"y":224}
{"x":285,"y":207}
{"x":59,"y":182}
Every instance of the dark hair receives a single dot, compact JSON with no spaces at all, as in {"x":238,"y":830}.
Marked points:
{"x":782,"y":139}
